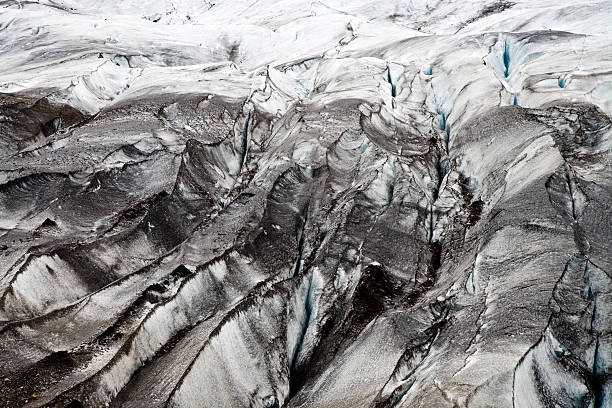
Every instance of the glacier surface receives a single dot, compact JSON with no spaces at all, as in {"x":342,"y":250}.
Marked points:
{"x":258,"y":203}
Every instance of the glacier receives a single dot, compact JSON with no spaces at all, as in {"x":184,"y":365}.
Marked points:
{"x":305,"y":203}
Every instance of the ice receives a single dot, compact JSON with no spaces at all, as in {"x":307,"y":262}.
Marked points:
{"x":305,"y":203}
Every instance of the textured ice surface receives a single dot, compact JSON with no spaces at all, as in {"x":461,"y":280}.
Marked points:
{"x":305,"y":203}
